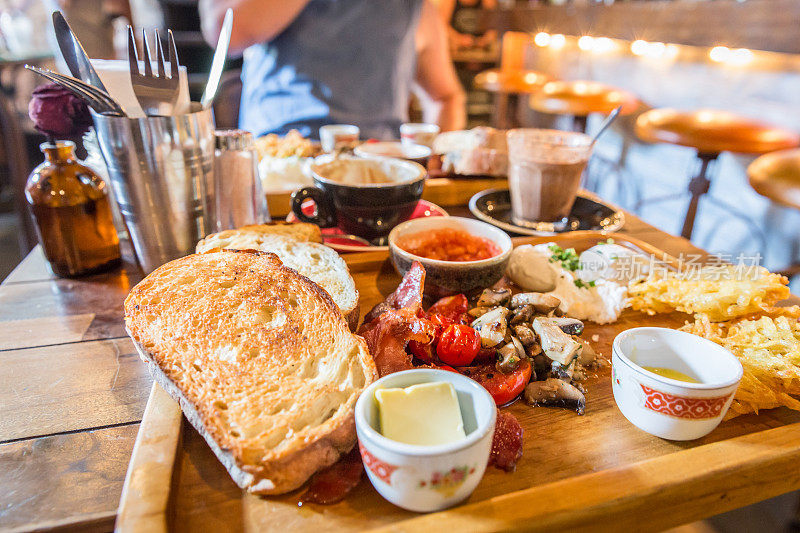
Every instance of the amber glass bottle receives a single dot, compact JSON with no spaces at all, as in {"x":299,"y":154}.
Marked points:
{"x":71,"y":209}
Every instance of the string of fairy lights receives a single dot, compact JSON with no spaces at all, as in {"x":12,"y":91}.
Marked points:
{"x":655,"y":50}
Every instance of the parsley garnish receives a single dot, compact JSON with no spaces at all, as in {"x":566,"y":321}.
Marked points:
{"x":581,"y":285}
{"x":568,"y":258}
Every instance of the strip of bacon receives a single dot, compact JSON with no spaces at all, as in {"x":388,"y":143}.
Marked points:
{"x":388,"y":328}
{"x":507,"y":442}
{"x":391,"y":324}
{"x":335,"y":482}
{"x":388,"y":335}
{"x":407,"y":295}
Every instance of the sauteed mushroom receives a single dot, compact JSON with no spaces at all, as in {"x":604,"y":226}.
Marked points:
{"x":534,"y":350}
{"x":492,"y":327}
{"x":541,"y":363}
{"x":493,"y":333}
{"x":588,"y":356}
{"x":542,"y":303}
{"x":509,"y":356}
{"x":561,"y":372}
{"x":491,"y":297}
{"x":477,"y":312}
{"x":556,"y":393}
{"x":525,"y":334}
{"x":556,"y":344}
{"x":490,"y":316}
{"x":522,"y":314}
{"x":570,"y":326}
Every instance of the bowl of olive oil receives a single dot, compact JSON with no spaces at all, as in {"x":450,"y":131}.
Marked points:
{"x":672,"y":384}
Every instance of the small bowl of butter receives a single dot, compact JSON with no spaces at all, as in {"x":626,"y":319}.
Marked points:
{"x":672,"y":384}
{"x":425,"y":436}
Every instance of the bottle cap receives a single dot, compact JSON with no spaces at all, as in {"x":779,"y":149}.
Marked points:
{"x":237,"y":140}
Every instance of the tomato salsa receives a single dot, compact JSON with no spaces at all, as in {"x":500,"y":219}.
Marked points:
{"x":448,"y":244}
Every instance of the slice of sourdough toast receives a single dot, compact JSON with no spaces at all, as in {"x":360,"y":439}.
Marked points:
{"x":302,"y":231}
{"x":315,"y":261}
{"x":260,"y":359}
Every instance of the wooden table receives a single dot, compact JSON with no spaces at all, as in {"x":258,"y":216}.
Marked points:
{"x":73,"y":390}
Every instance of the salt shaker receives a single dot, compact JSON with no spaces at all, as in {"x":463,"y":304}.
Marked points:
{"x":238,"y":199}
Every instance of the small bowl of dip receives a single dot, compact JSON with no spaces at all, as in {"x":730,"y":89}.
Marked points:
{"x":460,"y":255}
{"x":425,"y":477}
{"x":672,"y":384}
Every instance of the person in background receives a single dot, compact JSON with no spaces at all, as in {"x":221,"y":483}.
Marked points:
{"x":91,"y":20}
{"x":308,"y":63}
{"x":464,"y":29}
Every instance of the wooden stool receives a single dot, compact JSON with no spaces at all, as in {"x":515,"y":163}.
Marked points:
{"x":508,"y":85}
{"x":776,"y":176}
{"x":710,"y":132}
{"x":580,"y":99}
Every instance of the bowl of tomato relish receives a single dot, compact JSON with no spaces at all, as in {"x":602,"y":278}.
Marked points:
{"x":460,"y":255}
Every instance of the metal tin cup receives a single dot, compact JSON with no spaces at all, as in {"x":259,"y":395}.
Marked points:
{"x":160,"y":169}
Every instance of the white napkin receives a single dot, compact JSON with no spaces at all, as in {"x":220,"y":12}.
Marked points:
{"x":115,"y":75}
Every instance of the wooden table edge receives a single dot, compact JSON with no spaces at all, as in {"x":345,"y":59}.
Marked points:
{"x":100,"y":522}
{"x":626,"y":497}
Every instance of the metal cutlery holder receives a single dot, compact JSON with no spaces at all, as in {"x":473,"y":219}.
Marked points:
{"x":161,"y":172}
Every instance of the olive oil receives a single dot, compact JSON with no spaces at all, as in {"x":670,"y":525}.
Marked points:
{"x":670,"y":373}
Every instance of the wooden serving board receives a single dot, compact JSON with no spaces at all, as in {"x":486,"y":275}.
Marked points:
{"x":596,"y":471}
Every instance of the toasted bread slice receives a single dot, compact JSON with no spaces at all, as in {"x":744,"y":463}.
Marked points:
{"x":260,"y":359}
{"x":315,"y":261}
{"x":301,"y":231}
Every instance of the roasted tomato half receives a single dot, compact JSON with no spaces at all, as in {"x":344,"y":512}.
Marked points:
{"x":440,"y":322}
{"x":458,"y":345}
{"x":503,"y":387}
{"x":452,"y":307}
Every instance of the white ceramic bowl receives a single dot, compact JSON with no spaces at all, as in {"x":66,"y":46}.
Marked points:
{"x":668,"y":408}
{"x":333,"y":136}
{"x":419,"y":133}
{"x":427,"y":478}
{"x":393,"y":149}
{"x":444,"y":278}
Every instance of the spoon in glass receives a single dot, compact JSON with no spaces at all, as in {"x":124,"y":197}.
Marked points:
{"x":606,"y":123}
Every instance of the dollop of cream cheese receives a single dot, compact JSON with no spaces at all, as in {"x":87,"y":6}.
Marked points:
{"x":531,"y":269}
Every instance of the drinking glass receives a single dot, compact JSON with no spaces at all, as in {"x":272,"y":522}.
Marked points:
{"x":545,"y":168}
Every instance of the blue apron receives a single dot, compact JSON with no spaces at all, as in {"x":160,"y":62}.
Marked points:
{"x":338,"y":62}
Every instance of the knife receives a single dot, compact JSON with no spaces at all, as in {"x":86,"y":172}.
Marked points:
{"x":74,"y":55}
{"x":219,"y":60}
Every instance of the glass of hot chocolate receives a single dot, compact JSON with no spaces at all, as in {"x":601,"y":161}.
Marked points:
{"x":545,"y":168}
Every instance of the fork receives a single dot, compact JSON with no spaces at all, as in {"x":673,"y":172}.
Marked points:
{"x":99,"y":100}
{"x":156,"y":94}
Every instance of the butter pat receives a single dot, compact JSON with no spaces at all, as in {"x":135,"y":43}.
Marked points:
{"x":426,"y":414}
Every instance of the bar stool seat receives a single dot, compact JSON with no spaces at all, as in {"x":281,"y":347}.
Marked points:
{"x":496,"y":80}
{"x":711,"y":132}
{"x":581,"y":99}
{"x":507,"y":85}
{"x":776,"y":176}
